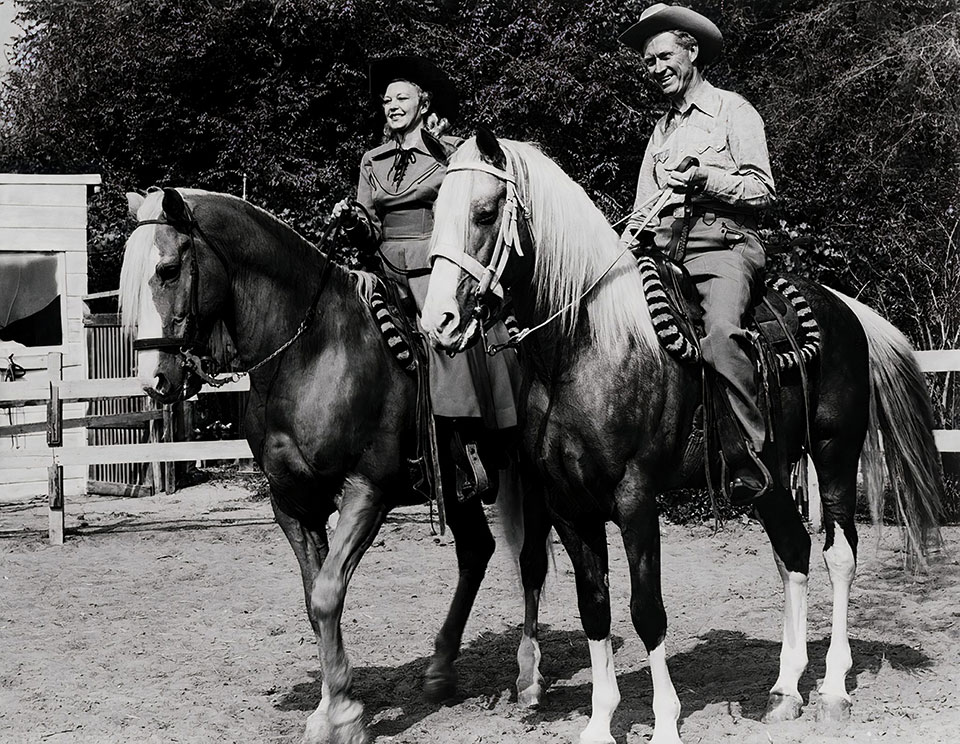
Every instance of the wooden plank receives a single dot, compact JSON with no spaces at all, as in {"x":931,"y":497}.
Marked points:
{"x":75,"y":263}
{"x":102,"y":295}
{"x":57,"y":179}
{"x":77,"y":285}
{"x":118,"y":489}
{"x":55,"y":494}
{"x":224,"y":449}
{"x":55,"y":405}
{"x":169,"y":467}
{"x":948,"y":440}
{"x":64,"y":195}
{"x":132,"y":420}
{"x":43,"y":240}
{"x":43,"y":217}
{"x":940,"y":360}
{"x":101,"y":320}
{"x":35,"y":393}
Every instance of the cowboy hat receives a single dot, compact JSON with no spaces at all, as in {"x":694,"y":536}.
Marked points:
{"x":420,"y":71}
{"x":661,"y":17}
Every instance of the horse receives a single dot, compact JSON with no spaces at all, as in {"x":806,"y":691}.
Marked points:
{"x":608,"y":414}
{"x":331,"y":418}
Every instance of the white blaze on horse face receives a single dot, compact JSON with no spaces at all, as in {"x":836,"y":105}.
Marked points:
{"x":440,"y":316}
{"x":149,"y":325}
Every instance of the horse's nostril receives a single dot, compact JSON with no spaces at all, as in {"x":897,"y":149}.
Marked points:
{"x":161,"y":385}
{"x":448,"y":321}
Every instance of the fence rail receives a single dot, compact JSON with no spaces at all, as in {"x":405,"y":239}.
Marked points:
{"x":55,"y":391}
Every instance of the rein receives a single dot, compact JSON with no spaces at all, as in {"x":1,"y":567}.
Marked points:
{"x":186,"y":344}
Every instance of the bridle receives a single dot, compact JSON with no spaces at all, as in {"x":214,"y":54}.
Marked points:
{"x":508,"y":241}
{"x":187,"y":345}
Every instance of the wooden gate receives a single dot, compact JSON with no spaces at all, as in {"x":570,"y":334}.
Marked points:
{"x":110,"y":355}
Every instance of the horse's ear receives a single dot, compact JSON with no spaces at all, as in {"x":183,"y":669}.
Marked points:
{"x":489,"y":147}
{"x":174,"y":207}
{"x":134,"y":202}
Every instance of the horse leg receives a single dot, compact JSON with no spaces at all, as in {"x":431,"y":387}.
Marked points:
{"x":311,"y":548}
{"x":640,"y":530}
{"x":586,"y":544}
{"x":836,"y":463}
{"x":791,"y":551}
{"x":361,"y":515}
{"x":474,"y":545}
{"x":533,"y":573}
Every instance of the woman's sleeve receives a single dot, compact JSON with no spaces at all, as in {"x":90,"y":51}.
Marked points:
{"x":367,"y":232}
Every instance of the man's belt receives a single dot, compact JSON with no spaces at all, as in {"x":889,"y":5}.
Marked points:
{"x":710,"y":214}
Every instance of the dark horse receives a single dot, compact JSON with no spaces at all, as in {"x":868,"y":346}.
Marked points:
{"x":608,"y":415}
{"x":331,"y":419}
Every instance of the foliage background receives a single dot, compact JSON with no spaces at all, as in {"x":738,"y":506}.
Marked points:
{"x":861,"y":101}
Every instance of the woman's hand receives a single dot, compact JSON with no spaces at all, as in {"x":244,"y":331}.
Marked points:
{"x":345,"y":213}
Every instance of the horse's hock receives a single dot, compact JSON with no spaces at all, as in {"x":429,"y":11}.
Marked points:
{"x":43,"y":280}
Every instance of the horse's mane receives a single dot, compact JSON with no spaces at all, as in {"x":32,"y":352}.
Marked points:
{"x":136,"y":260}
{"x":574,"y":245}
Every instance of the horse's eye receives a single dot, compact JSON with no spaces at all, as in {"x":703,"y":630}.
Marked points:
{"x":168,"y":270}
{"x":486,"y":217}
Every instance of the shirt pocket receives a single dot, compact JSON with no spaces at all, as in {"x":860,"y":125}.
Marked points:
{"x":714,"y":151}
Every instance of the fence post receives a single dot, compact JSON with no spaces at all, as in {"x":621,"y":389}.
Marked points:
{"x":55,"y":439}
{"x":169,"y":469}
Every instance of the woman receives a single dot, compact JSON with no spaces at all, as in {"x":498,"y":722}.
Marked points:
{"x":398,"y":184}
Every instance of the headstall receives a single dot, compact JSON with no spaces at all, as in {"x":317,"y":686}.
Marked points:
{"x":508,"y":239}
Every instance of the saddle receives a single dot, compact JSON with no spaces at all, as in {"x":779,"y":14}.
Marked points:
{"x":780,"y":324}
{"x":779,"y":316}
{"x":475,"y":472}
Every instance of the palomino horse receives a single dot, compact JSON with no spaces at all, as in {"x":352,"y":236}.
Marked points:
{"x":331,"y":417}
{"x":608,"y":414}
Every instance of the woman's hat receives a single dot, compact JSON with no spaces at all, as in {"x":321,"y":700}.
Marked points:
{"x":661,"y":17}
{"x":419,"y":70}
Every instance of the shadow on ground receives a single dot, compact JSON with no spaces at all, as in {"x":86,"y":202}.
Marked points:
{"x":703,"y":676}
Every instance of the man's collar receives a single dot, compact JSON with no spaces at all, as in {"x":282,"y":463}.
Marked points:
{"x":705,"y":97}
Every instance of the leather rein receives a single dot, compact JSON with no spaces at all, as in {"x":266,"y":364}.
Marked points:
{"x":186,"y":346}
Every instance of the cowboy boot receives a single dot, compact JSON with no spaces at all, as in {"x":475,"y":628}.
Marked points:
{"x":751,"y":478}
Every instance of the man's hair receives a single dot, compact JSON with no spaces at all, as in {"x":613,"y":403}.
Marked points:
{"x":685,"y":40}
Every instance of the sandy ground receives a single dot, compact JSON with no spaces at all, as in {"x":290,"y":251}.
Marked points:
{"x":180,"y":619}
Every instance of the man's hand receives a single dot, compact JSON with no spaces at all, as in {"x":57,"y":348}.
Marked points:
{"x":691,"y":181}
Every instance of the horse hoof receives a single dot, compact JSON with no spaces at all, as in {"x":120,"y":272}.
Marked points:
{"x":833,"y":708}
{"x":782,"y":707}
{"x":346,"y":723}
{"x":317,"y":730}
{"x":596,"y":736}
{"x":529,"y":696}
{"x":439,"y":686}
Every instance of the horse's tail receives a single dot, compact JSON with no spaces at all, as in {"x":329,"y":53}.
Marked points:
{"x":510,"y":510}
{"x":901,"y":413}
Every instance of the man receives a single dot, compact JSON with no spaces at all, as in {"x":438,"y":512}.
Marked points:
{"x":710,"y":218}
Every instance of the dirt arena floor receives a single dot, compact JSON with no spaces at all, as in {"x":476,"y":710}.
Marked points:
{"x":180,"y":619}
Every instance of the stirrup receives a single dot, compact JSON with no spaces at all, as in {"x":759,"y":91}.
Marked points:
{"x":472,"y":480}
{"x":750,"y":482}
